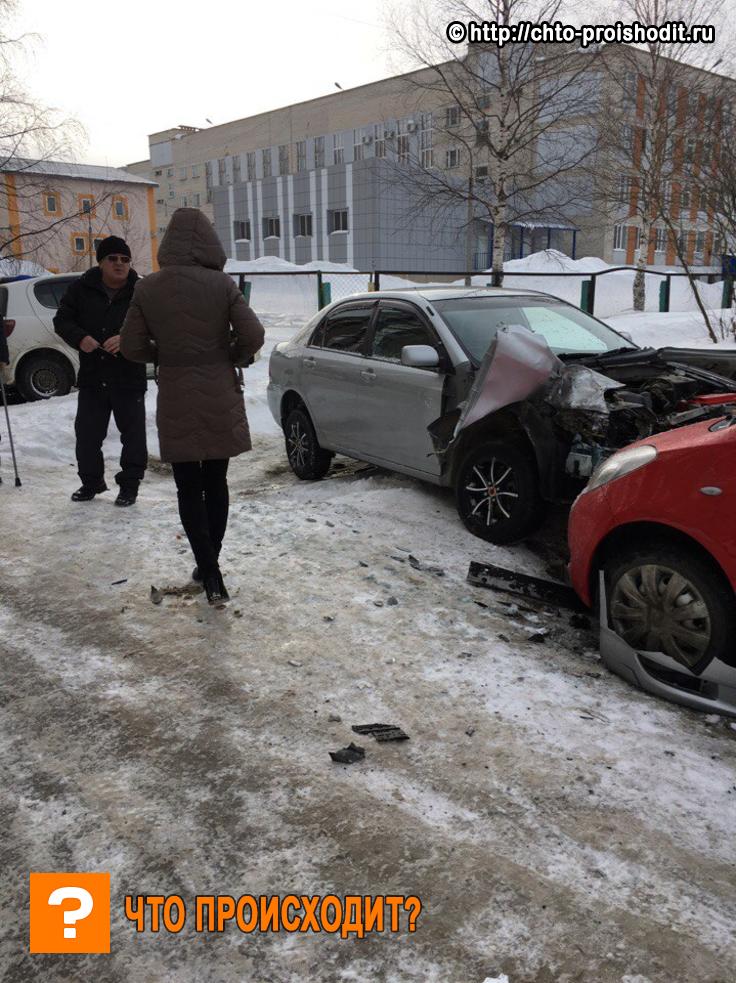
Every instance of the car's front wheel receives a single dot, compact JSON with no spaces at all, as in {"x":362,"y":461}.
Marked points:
{"x":497,"y":492}
{"x":41,"y":377}
{"x":306,"y":458}
{"x":666,"y":598}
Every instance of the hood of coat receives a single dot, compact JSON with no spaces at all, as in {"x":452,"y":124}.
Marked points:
{"x":190,"y":240}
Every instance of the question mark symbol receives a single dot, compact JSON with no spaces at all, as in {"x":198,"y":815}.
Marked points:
{"x":414,"y":906}
{"x":86,"y":904}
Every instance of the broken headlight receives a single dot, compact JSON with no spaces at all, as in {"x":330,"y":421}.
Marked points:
{"x":621,"y":463}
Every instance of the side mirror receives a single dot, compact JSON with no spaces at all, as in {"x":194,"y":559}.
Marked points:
{"x":419,"y":357}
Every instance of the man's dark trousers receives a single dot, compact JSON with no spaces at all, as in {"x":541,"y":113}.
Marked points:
{"x":128,"y":407}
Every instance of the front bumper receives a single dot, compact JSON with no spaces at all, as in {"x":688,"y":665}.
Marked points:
{"x":713,"y":691}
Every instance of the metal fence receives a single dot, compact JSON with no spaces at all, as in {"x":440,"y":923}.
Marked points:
{"x":597,"y":292}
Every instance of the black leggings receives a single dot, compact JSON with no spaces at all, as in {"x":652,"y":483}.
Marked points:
{"x":201,"y":488}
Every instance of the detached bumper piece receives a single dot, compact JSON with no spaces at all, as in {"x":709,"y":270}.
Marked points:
{"x":523,"y":585}
{"x":714,"y":690}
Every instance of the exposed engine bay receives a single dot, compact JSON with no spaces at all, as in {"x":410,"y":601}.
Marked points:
{"x":584,"y":407}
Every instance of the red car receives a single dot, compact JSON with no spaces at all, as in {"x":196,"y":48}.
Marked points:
{"x":658,"y":520}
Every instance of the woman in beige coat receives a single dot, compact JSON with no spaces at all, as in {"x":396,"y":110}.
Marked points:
{"x":181,"y":319}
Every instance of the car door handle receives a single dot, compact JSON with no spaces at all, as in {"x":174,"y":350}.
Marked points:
{"x":368,"y":374}
{"x":309,"y":362}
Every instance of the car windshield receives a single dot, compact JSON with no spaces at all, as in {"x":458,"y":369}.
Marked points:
{"x":475,"y":320}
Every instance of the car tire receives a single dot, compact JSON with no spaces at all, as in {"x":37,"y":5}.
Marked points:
{"x":679,"y":578}
{"x":506,"y":510}
{"x":41,"y":377}
{"x":307,"y":459}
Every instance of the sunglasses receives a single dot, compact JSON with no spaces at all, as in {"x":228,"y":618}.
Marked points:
{"x":118,"y":259}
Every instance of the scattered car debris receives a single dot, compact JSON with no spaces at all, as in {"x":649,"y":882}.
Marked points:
{"x":425,"y":568}
{"x":116,"y":582}
{"x":328,"y":617}
{"x":156,"y":595}
{"x":295,"y":663}
{"x":348,"y":755}
{"x":381,"y":732}
{"x":536,"y":588}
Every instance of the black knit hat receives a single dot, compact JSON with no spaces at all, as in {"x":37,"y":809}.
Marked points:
{"x":112,"y":246}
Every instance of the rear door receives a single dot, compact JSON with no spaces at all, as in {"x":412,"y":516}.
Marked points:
{"x":331,"y":376}
{"x":44,"y":297}
{"x":400,"y":401}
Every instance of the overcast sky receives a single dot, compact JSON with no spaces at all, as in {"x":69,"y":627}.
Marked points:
{"x":127,"y":69}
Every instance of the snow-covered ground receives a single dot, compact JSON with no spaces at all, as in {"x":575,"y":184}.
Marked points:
{"x":556,"y":823}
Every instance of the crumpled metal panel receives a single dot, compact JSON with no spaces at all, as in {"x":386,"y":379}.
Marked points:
{"x":517,"y":363}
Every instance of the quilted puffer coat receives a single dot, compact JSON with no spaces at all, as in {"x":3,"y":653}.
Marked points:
{"x":181,"y":318}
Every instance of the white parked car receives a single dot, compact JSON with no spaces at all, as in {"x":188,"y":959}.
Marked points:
{"x":41,"y":364}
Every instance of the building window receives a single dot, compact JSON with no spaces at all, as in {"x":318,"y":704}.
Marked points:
{"x":250,"y":165}
{"x":86,"y":205}
{"x":689,"y":150}
{"x":303,"y":224}
{"x":700,"y":243}
{"x":660,"y":240}
{"x":208,"y":175}
{"x":319,"y":151}
{"x":624,"y":189}
{"x":169,"y":172}
{"x":337,"y":220}
{"x":236,"y":169}
{"x":452,"y":157}
{"x":80,"y":244}
{"x":452,"y":116}
{"x":619,"y":236}
{"x":425,"y":140}
{"x":402,"y":144}
{"x":705,"y":153}
{"x":301,"y":155}
{"x":627,"y":138}
{"x":379,"y":140}
{"x":182,"y":173}
{"x":484,"y":100}
{"x":183,"y":201}
{"x":357,"y":145}
{"x":51,"y":203}
{"x":271,"y":228}
{"x":172,"y":194}
{"x":222,"y":170}
{"x":266,"y":162}
{"x":158,"y":173}
{"x":685,"y":199}
{"x":96,"y":243}
{"x":241,"y":230}
{"x":481,"y":172}
{"x":338,"y":153}
{"x":196,"y":199}
{"x":120,"y":208}
{"x":195,"y":170}
{"x":284,"y":159}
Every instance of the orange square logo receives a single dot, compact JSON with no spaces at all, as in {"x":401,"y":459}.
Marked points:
{"x":70,"y":912}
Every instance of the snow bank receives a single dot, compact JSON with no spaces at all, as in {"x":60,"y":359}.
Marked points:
{"x":21,"y":267}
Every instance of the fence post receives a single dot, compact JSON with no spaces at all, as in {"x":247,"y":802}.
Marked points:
{"x":377,"y":280}
{"x":664,"y":295}
{"x":245,"y":290}
{"x":727,"y":298}
{"x":325,"y":294}
{"x":319,"y":290}
{"x":587,"y":295}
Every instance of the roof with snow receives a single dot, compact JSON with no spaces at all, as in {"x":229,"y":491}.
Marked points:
{"x":62,"y":168}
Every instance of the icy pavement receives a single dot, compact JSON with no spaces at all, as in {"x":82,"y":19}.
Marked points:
{"x":556,"y":824}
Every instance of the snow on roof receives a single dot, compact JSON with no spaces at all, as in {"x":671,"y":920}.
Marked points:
{"x":62,"y":168}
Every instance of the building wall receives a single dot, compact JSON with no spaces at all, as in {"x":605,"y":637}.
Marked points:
{"x":51,"y":238}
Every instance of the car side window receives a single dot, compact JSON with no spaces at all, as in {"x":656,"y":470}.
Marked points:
{"x":346,"y":329}
{"x":49,"y":292}
{"x":396,"y":327}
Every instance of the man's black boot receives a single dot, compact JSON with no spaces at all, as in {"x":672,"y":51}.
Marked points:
{"x":87,"y":492}
{"x":126,"y":496}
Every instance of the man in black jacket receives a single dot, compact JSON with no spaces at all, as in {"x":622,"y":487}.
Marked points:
{"x":89,"y":318}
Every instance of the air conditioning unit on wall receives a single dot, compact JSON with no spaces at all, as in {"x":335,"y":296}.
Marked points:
{"x":367,"y":138}
{"x":389,"y":133}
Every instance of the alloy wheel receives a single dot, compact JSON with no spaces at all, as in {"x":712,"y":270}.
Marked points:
{"x":298,"y":444}
{"x":492,"y":491}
